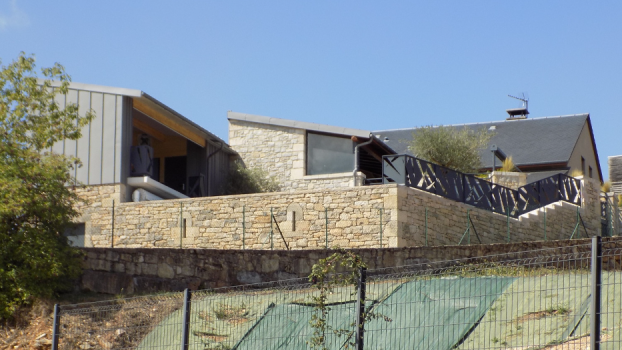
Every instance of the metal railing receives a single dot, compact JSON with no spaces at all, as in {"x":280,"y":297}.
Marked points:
{"x":466,"y":188}
{"x":559,"y":298}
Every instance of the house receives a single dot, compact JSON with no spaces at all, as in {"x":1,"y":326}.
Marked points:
{"x":187,"y":160}
{"x":539,"y":147}
{"x":615,"y":174}
{"x":326,"y":174}
{"x":306,"y":155}
{"x":137,"y":147}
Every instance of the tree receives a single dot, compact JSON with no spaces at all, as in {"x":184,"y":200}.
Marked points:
{"x":451,"y":147}
{"x":36,"y":205}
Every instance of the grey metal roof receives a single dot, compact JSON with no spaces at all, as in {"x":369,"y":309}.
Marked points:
{"x":210,"y":137}
{"x":529,"y":141}
{"x":298,"y":124}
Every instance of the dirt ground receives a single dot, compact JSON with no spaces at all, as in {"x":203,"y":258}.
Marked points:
{"x":30,"y":329}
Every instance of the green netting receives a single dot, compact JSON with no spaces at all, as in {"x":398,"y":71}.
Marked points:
{"x":287,"y":327}
{"x":432,"y":314}
{"x":423,"y":314}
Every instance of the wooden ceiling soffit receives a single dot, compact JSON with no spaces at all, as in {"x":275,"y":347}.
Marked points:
{"x":144,"y":127}
{"x":161,"y":116}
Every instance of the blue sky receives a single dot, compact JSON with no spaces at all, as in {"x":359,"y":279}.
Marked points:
{"x":371,"y":65}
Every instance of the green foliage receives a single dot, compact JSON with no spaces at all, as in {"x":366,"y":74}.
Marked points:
{"x":35,"y":204}
{"x":324,"y":276}
{"x":455,"y":148}
{"x":242,"y":180}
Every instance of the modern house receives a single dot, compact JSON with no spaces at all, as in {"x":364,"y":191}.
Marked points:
{"x":181,"y":159}
{"x":137,"y":148}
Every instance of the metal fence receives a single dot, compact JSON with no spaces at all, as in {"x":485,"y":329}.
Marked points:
{"x":433,"y":178}
{"x":562,"y":298}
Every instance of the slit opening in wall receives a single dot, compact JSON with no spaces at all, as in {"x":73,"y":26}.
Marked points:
{"x":183,"y":228}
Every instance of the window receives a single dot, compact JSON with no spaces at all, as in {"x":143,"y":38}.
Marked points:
{"x":327,"y":154}
{"x":583,"y":165}
{"x":590,"y":169}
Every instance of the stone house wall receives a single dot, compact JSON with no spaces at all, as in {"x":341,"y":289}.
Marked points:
{"x":280,"y":151}
{"x":351,"y":217}
{"x":615,"y":173}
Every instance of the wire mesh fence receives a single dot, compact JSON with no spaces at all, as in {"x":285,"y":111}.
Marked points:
{"x":559,"y":298}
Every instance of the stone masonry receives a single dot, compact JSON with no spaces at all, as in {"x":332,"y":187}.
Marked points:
{"x":356,"y":217}
{"x":280,"y":151}
{"x":123,"y":270}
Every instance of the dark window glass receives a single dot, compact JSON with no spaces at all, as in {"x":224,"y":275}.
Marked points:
{"x":329,"y":154}
{"x":590,"y":168}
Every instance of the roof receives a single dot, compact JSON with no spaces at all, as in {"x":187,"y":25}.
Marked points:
{"x":329,"y":129}
{"x":142,"y":96}
{"x":298,"y":124}
{"x":530,"y":141}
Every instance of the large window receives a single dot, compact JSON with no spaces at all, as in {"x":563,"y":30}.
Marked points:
{"x":328,"y":154}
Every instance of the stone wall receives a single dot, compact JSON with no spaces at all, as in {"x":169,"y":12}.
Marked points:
{"x":280,"y":151}
{"x":118,"y":271}
{"x":512,"y":180}
{"x":447,"y":220}
{"x":95,"y":199}
{"x":351,"y":218}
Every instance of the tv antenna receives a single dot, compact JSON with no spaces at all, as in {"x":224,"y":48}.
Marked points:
{"x":525,"y":100}
{"x":519,"y":113}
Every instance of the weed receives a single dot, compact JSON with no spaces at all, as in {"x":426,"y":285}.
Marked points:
{"x":231,"y":313}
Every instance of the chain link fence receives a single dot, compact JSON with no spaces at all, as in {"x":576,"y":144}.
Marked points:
{"x":559,"y":298}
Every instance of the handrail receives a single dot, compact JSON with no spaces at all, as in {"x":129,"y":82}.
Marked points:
{"x":466,"y":188}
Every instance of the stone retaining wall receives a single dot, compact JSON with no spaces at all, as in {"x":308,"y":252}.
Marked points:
{"x":118,"y":271}
{"x":358,"y":217}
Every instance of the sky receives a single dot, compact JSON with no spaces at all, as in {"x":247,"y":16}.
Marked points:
{"x":372,"y":65}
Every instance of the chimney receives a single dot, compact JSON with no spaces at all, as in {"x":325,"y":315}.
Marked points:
{"x":518,"y":113}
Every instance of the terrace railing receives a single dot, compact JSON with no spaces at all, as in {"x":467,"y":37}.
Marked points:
{"x":417,"y":173}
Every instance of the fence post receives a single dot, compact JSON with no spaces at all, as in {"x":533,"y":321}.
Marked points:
{"x":426,"y":226}
{"x":468,"y":227}
{"x":596,"y":290}
{"x":380,"y":227}
{"x":360,"y":308}
{"x":544,"y":223}
{"x":112,"y":228}
{"x":326,"y":227}
{"x":508,"y":222}
{"x":181,"y":229}
{"x":55,"y":327}
{"x":185,"y":333}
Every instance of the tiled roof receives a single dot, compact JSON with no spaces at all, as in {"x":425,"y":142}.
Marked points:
{"x":528,"y":141}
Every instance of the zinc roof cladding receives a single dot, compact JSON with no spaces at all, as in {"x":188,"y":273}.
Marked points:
{"x":529,"y":141}
{"x":297,"y":124}
{"x":210,"y":137}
